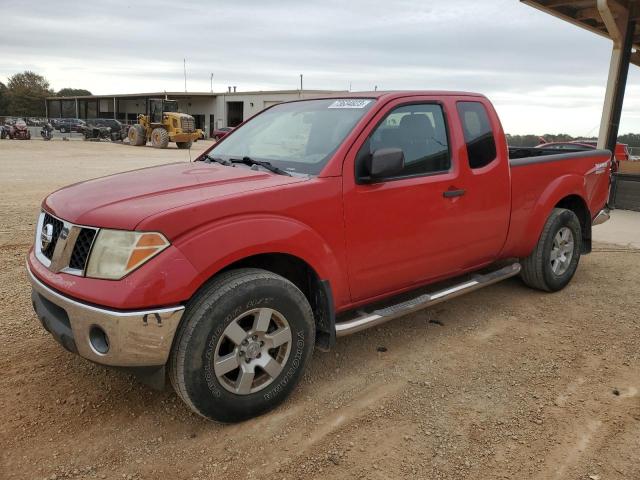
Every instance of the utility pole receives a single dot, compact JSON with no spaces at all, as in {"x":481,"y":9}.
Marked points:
{"x":184,"y":64}
{"x":212,"y":83}
{"x":301,"y":84}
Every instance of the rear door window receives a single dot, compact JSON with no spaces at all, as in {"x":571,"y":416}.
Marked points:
{"x":478,"y":134}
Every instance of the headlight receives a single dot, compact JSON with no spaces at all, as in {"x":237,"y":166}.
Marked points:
{"x":116,"y":253}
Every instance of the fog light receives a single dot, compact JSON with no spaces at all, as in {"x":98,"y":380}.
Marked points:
{"x":99,"y":340}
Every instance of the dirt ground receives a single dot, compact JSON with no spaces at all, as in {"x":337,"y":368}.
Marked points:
{"x":506,"y":382}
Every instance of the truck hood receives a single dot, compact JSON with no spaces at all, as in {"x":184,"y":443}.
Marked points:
{"x":123,"y":200}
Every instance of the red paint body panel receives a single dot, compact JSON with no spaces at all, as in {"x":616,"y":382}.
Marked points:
{"x":159,"y":284}
{"x":539,"y":187}
{"x":390,"y":248}
{"x":303,"y":219}
{"x":123,"y":200}
{"x":369,"y":241}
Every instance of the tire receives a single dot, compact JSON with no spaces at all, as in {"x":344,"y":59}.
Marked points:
{"x":540,"y":270}
{"x":159,"y":138}
{"x":203,"y":336}
{"x":137,"y":135}
{"x":184,"y":145}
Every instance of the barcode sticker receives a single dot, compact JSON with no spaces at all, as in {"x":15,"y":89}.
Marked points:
{"x":350,"y":103}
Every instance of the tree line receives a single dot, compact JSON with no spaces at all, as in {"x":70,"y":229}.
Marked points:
{"x":24,"y":95}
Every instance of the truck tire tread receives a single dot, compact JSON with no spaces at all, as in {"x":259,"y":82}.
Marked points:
{"x":159,"y":138}
{"x":534,"y":267}
{"x":208,"y":295}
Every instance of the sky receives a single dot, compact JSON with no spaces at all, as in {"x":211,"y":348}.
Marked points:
{"x":543,"y":75}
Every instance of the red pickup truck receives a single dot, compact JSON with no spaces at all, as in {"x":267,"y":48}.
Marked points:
{"x":312,"y":220}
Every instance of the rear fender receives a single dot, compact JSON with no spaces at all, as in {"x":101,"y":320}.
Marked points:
{"x":561,"y":187}
{"x":213,"y":247}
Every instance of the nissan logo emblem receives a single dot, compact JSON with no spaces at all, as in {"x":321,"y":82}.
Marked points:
{"x":46,"y":237}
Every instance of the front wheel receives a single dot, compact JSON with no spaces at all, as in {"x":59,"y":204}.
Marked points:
{"x":159,"y":138}
{"x":554,"y":260}
{"x":242,"y":346}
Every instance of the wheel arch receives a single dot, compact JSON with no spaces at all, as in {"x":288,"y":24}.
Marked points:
{"x":578,"y":205}
{"x":304,"y":276}
{"x":566,"y":191}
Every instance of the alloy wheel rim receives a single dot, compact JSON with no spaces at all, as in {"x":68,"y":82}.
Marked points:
{"x":252,"y":351}
{"x":562,"y":251}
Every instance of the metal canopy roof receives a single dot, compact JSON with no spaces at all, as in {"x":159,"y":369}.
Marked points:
{"x":189,"y":94}
{"x":587,"y":14}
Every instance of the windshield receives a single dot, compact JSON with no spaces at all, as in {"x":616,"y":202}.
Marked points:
{"x":170,"y":106}
{"x":298,"y":136}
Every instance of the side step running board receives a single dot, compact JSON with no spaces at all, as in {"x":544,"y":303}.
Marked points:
{"x":368,"y":320}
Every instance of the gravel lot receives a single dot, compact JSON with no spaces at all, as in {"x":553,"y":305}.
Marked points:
{"x":506,"y":382}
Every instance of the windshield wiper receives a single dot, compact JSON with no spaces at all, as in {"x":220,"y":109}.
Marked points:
{"x":210,"y":159}
{"x":250,"y":161}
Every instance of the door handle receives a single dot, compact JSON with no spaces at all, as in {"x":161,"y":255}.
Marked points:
{"x":453,"y":193}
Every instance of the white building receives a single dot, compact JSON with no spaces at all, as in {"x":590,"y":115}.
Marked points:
{"x":210,"y":110}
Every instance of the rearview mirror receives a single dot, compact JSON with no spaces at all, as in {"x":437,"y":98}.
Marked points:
{"x":386,"y":162}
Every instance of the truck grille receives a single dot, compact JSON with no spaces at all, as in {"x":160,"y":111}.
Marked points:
{"x":188,"y":125}
{"x":57,"y":228}
{"x":81,"y":249}
{"x":69,"y":248}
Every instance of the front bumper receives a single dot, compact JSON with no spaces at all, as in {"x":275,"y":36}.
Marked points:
{"x":602,"y":216}
{"x":110,"y":337}
{"x":186,"y":137}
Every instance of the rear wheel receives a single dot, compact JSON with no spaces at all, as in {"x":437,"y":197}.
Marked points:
{"x":242,"y":346}
{"x":159,"y":138}
{"x":554,"y":261}
{"x":137,"y":136}
{"x":184,"y":145}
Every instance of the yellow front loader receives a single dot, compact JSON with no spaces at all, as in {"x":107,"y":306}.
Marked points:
{"x":163,"y":124}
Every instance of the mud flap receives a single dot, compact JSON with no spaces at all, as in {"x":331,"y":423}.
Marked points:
{"x":324,"y":314}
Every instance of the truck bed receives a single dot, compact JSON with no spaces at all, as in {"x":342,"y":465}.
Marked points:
{"x":527,"y":152}
{"x":539,"y":176}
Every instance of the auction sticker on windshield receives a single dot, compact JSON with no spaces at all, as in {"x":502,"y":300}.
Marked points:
{"x":350,"y":103}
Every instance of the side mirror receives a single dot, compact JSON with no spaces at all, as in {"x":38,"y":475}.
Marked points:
{"x":386,"y":162}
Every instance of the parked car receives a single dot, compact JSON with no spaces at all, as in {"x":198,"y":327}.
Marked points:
{"x":117,"y":131}
{"x":35,"y":122}
{"x":219,"y":133}
{"x":66,"y":125}
{"x":303,"y":226}
{"x":621,"y":153}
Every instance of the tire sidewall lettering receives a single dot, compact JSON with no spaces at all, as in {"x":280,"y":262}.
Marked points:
{"x":295,"y":364}
{"x":294,"y":361}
